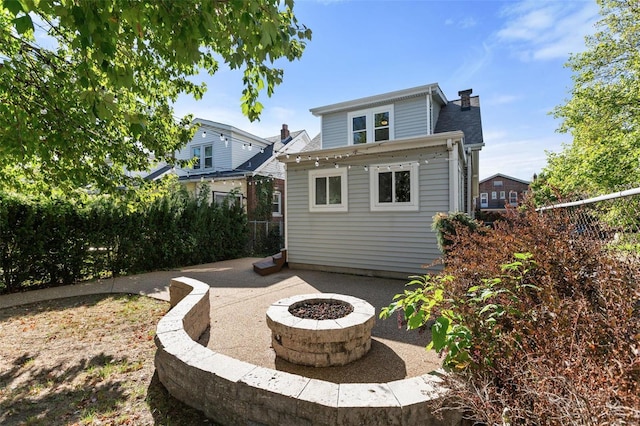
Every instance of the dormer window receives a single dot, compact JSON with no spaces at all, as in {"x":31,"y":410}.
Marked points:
{"x":372,"y":125}
{"x":202,"y":156}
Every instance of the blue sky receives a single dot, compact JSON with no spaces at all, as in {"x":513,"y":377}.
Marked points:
{"x":511,"y":53}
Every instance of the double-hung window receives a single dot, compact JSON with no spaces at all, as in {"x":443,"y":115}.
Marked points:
{"x":394,"y":187}
{"x":371,"y":125}
{"x":202,"y":156}
{"x":328,"y":190}
{"x":276,"y":202}
{"x":484,"y":200}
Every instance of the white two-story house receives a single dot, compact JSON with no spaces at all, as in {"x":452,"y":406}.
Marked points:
{"x":364,"y":202}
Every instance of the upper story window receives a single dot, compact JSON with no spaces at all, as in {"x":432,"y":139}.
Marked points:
{"x":202,"y":156}
{"x":328,"y":190}
{"x":276,"y":209}
{"x":394,"y":187}
{"x":371,"y":125}
{"x":497,"y":183}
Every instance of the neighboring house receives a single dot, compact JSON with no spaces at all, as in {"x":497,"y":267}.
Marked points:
{"x":229,"y":161}
{"x":499,"y":191}
{"x":364,"y":201}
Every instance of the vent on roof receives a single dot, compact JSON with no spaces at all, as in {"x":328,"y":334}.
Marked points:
{"x":465,"y":99}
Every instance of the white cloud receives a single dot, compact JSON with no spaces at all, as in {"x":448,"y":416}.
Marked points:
{"x":537,"y":30}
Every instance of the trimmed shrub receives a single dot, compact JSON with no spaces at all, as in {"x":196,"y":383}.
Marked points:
{"x":56,"y":241}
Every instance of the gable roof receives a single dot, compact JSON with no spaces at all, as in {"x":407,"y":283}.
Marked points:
{"x":382,"y":99}
{"x":452,"y":118}
{"x":500,"y":175}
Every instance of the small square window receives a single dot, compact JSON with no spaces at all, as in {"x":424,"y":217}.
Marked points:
{"x":394,"y":187}
{"x":328,"y":190}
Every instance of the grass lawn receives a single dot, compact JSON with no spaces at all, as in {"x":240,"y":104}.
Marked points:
{"x":85,"y":361}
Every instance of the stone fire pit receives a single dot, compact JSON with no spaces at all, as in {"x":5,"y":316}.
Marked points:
{"x":321,"y":342}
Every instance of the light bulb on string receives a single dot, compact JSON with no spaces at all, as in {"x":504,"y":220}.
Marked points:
{"x":244,"y":146}
{"x":298,"y":159}
{"x":317,"y":163}
{"x":336,"y":165}
{"x":261,"y":150}
{"x":204,"y":134}
{"x":250,"y":147}
{"x":366,"y":168}
{"x":221,"y":137}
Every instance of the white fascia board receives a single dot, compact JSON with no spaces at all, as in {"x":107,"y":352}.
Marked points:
{"x":383,"y":147}
{"x":231,"y":130}
{"x":378,"y":99}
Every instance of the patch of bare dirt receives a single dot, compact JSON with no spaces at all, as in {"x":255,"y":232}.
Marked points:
{"x":85,"y":361}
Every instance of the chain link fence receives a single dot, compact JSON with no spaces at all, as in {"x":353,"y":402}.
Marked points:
{"x":265,"y":237}
{"x":613,"y":218}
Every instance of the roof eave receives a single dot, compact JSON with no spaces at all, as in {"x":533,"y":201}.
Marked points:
{"x":380,"y":147}
{"x":379,"y":99}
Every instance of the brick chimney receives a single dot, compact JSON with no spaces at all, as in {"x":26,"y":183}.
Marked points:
{"x":465,"y":99}
{"x":284,"y":132}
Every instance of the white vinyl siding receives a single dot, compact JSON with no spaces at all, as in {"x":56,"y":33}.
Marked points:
{"x":362,"y":239}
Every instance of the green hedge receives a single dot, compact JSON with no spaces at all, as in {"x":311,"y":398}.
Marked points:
{"x":48,"y":242}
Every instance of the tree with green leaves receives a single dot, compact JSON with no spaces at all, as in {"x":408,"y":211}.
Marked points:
{"x":603,"y":113}
{"x":87,"y":87}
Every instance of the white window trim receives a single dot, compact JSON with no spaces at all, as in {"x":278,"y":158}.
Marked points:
{"x":201,"y":160}
{"x":223,"y":195}
{"x":376,"y":206}
{"x":277,"y":194}
{"x":369,"y":113}
{"x":513,"y":203}
{"x":330,"y":208}
{"x":494,"y":195}
{"x":502,"y":195}
{"x":484,"y":199}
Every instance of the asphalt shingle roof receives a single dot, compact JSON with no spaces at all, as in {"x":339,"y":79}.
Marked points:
{"x":453,"y":118}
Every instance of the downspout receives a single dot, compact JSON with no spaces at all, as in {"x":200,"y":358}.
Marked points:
{"x":429,"y":113}
{"x":286,"y":211}
{"x":472,"y":211}
{"x":453,"y":176}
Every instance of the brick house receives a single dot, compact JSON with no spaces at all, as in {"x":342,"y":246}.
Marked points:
{"x":498,"y":191}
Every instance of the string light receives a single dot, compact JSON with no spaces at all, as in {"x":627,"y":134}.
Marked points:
{"x":221,"y":137}
{"x":298,"y":159}
{"x":317,"y":163}
{"x":204,"y":134}
{"x":250,"y":147}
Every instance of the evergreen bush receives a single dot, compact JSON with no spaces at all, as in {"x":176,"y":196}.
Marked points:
{"x":50,"y":241}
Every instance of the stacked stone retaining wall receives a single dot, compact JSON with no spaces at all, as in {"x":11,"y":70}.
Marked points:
{"x":234,"y":392}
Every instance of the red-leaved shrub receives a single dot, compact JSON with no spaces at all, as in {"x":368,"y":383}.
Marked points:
{"x":542,"y":323}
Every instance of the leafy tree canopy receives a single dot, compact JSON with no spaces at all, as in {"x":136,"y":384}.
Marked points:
{"x":603,"y":113}
{"x":86,"y":87}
